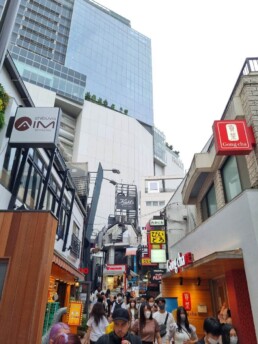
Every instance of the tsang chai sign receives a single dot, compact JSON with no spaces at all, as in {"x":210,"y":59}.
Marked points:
{"x":36,"y":127}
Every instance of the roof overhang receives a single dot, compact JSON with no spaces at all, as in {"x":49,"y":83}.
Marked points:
{"x":211,"y":266}
{"x":65,"y":269}
{"x":202,"y":165}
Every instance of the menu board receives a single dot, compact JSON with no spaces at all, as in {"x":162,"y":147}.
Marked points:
{"x":75,"y":313}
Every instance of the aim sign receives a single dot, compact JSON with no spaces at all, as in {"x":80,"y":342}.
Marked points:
{"x":35,"y":127}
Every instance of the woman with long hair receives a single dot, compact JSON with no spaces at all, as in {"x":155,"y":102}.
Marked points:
{"x":146,"y":327}
{"x":229,"y":335}
{"x":133,"y":311}
{"x":97,"y":323}
{"x":182,"y":332}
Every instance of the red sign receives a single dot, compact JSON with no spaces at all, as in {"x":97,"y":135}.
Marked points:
{"x":85,"y":271}
{"x":182,"y":260}
{"x":233,"y":137}
{"x":186,"y":301}
{"x":110,"y":267}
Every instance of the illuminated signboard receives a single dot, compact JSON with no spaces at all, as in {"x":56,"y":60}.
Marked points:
{"x":233,"y":137}
{"x":182,"y":260}
{"x":157,"y":237}
{"x":36,"y":127}
{"x":75,"y":313}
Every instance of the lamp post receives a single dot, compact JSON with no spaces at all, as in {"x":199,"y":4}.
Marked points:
{"x":91,"y":213}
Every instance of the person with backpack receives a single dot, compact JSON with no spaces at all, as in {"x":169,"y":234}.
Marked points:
{"x":164,"y":319}
{"x":119,"y":303}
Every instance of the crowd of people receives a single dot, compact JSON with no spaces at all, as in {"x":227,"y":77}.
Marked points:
{"x":124,"y":319}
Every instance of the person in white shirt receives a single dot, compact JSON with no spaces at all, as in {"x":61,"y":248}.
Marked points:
{"x":163,"y":317}
{"x":97,"y":323}
{"x":119,"y":303}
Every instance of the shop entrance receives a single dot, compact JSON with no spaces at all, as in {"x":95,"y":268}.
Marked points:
{"x":220,"y":296}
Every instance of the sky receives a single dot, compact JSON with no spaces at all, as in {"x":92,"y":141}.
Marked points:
{"x":198,"y":50}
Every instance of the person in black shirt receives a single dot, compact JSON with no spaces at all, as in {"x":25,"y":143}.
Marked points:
{"x":121,"y":334}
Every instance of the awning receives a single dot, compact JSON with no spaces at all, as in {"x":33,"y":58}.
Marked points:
{"x":67,"y":266}
{"x":213,"y":265}
{"x":131,"y":251}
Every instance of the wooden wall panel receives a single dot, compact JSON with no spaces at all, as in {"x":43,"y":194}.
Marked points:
{"x":29,"y":242}
{"x":200,"y":295}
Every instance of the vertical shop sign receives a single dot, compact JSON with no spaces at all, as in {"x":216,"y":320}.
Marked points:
{"x":186,"y":301}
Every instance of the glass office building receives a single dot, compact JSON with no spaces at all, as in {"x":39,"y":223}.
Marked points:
{"x":74,"y":47}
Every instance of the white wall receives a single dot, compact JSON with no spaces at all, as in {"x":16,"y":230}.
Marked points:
{"x":232,"y":227}
{"x":117,"y":141}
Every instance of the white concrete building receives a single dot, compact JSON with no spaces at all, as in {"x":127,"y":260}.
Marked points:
{"x":221,"y":231}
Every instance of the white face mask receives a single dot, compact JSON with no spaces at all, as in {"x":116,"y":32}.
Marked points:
{"x":213,"y":341}
{"x":119,"y":298}
{"x":233,"y":340}
{"x":151,"y":303}
{"x":147,"y":314}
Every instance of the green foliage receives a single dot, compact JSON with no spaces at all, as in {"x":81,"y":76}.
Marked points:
{"x":93,"y":97}
{"x":4,"y":100}
{"x":113,"y":106}
{"x":105,"y":103}
{"x":121,"y":109}
{"x":126,"y":112}
{"x":87,"y":96}
{"x":100,"y":101}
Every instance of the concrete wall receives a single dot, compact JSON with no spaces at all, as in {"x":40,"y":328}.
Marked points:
{"x":117,"y":141}
{"x":234,"y":226}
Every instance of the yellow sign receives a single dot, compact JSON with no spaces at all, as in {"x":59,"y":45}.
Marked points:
{"x":75,"y":313}
{"x":157,"y":237}
{"x":147,"y":261}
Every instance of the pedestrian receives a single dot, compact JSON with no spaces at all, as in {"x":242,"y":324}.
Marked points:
{"x":229,"y":334}
{"x":121,"y":334}
{"x":212,"y":332}
{"x":133,"y":311}
{"x":119,"y":303}
{"x":182,"y":332}
{"x":69,"y":338}
{"x":97,"y":324}
{"x":146,"y":327}
{"x":164,"y":319}
{"x":58,"y":329}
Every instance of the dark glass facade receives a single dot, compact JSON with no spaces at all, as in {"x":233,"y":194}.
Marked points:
{"x":57,"y":44}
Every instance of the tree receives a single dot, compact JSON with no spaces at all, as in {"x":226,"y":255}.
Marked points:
{"x":100,"y":101}
{"x":87,"y":96}
{"x":113,"y":106}
{"x":93,"y":98}
{"x":126,"y":112}
{"x":105,"y":102}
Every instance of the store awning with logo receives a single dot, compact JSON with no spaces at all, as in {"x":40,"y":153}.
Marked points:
{"x":215,"y":264}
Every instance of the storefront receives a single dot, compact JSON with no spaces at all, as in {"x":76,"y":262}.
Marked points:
{"x":114,"y":277}
{"x":205,"y":285}
{"x":62,"y":287}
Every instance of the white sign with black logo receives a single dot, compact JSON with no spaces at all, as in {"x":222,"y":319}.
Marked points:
{"x":36,"y":127}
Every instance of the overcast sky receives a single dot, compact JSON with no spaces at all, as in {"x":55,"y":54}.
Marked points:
{"x":198,"y":49}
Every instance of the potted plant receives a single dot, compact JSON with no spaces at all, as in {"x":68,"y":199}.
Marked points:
{"x":4,"y":100}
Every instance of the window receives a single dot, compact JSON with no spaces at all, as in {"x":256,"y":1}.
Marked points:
{"x":209,"y":203}
{"x":3,"y":270}
{"x":153,"y":186}
{"x":231,"y":179}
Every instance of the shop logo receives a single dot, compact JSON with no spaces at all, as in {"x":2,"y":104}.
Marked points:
{"x":23,"y":123}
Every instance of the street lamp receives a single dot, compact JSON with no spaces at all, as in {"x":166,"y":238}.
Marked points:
{"x":111,"y":181}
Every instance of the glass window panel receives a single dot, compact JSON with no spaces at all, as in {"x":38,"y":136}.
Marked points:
{"x":3,"y":270}
{"x":231,"y":179}
{"x":211,"y":201}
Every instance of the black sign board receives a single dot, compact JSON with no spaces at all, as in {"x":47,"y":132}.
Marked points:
{"x":126,"y":202}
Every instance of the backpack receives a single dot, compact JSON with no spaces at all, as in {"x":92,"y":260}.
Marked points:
{"x":118,"y":305}
{"x":163,"y":327}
